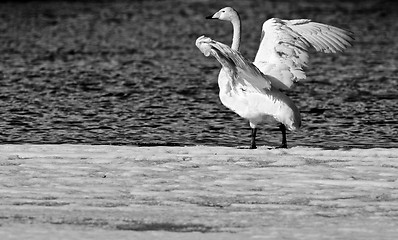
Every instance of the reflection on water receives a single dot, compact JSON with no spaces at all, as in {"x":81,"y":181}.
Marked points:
{"x":129,"y":73}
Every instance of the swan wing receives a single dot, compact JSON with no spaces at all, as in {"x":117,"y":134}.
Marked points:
{"x":283,"y":50}
{"x":242,"y":72}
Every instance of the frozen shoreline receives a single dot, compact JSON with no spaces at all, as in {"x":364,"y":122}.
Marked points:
{"x":197,"y":192}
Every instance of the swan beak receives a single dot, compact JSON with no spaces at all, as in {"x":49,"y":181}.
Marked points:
{"x":214,"y":16}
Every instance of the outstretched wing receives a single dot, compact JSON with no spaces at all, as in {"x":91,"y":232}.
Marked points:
{"x":241,"y":71}
{"x":283,"y":51}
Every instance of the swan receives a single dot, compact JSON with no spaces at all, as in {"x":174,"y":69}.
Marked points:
{"x":281,"y":59}
{"x":248,"y":92}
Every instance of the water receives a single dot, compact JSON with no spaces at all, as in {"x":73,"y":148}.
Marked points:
{"x":129,"y":73}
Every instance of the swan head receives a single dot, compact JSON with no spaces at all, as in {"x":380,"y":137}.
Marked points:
{"x":225,"y":14}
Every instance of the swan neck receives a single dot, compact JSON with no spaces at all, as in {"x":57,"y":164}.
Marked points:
{"x":237,"y":32}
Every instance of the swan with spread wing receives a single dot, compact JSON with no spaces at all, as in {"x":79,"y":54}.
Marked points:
{"x":252,"y":90}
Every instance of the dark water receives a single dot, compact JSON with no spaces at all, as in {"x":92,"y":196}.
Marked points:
{"x":129,"y":73}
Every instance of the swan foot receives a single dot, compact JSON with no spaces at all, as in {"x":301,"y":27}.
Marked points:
{"x":284,"y":141}
{"x":253,"y":141}
{"x":246,"y":147}
{"x":283,"y":145}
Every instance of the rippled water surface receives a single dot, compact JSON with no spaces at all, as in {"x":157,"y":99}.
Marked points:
{"x":129,"y":73}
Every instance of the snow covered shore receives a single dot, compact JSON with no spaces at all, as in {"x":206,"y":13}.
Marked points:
{"x":95,"y":191}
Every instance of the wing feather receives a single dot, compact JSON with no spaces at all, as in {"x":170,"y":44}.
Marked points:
{"x":242,"y":71}
{"x":315,"y":42}
{"x":338,"y":44}
{"x":326,"y":33}
{"x":283,"y":50}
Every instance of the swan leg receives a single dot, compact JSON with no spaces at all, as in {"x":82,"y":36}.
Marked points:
{"x":253,"y":142}
{"x":284,"y":141}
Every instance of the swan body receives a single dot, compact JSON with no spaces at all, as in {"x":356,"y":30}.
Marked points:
{"x":264,"y":106}
{"x":252,"y":89}
{"x":247,"y":91}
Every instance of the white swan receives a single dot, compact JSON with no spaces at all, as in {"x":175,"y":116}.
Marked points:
{"x":247,"y":91}
{"x":282,"y":58}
